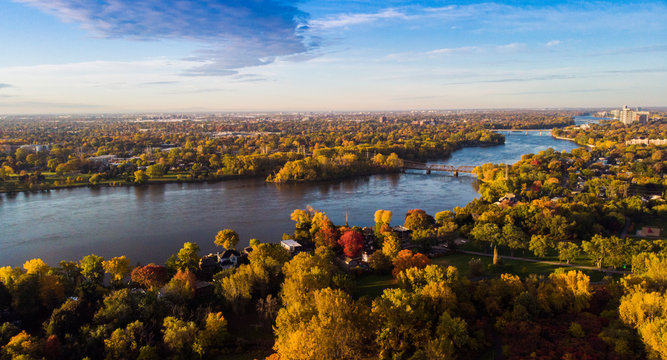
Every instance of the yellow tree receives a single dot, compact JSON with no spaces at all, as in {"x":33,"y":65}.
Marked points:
{"x":118,"y":267}
{"x":227,"y":238}
{"x":35,"y":266}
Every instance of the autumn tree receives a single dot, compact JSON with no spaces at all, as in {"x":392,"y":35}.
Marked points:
{"x":352,"y":242}
{"x":407,"y":259}
{"x":335,"y":320}
{"x":417,"y":219}
{"x":35,"y":266}
{"x":179,"y":335}
{"x":187,"y":258}
{"x":151,"y":276}
{"x":182,"y":286}
{"x":382,"y":220}
{"x":118,"y":267}
{"x":140,"y":177}
{"x":92,"y":268}
{"x":391,"y":246}
{"x":212,"y":336}
{"x":227,"y":238}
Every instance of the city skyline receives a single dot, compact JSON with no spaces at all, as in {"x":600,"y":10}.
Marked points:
{"x":68,"y":56}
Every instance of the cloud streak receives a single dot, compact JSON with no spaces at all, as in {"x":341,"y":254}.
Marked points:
{"x":236,"y":33}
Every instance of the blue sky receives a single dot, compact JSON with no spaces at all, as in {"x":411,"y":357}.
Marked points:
{"x":85,"y":56}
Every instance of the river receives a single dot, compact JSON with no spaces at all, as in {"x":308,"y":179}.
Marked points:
{"x":150,"y":223}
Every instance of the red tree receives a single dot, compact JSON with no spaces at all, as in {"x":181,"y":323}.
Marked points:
{"x":352,"y":243}
{"x":406,"y":259}
{"x":151,"y":276}
{"x":327,"y":235}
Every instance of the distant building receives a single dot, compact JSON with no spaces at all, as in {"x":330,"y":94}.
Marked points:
{"x":649,"y":231}
{"x":291,"y":246}
{"x":628,"y":116}
{"x":658,"y":142}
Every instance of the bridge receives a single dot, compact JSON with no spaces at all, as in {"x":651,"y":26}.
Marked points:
{"x":525,"y":131}
{"x":413,"y":165}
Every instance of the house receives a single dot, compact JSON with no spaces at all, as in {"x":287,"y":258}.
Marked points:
{"x":402,"y":232}
{"x":228,"y":259}
{"x":212,"y":263}
{"x":292,"y":246}
{"x":209,"y":264}
{"x":649,"y":231}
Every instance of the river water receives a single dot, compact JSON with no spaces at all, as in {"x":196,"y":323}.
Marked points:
{"x":149,"y":223}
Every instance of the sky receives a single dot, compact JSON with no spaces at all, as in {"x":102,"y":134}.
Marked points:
{"x":118,"y":56}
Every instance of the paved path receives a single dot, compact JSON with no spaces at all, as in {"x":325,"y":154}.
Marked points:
{"x":548,"y":262}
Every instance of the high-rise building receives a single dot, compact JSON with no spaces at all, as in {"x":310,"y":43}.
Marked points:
{"x":628,"y":116}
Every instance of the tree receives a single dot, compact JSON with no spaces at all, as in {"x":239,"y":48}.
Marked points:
{"x":155,"y":171}
{"x":65,"y":320}
{"x":227,"y":238}
{"x":268,"y":307}
{"x":540,"y":245}
{"x":179,"y":335}
{"x":124,"y":343}
{"x":95,"y":179}
{"x":118,"y":267}
{"x":188,"y":257}
{"x":352,"y":242}
{"x":35,"y":266}
{"x":596,"y":249}
{"x":92,"y":268}
{"x":568,"y":251}
{"x":391,"y":246}
{"x":403,"y":323}
{"x":213,"y":335}
{"x":379,"y":263}
{"x":382,"y":219}
{"x":151,"y":276}
{"x":326,"y":234}
{"x":417,"y":219}
{"x":140,"y":177}
{"x":334,"y":319}
{"x":514,"y":237}
{"x":407,"y":259}
{"x":488,"y":232}
{"x":182,"y":286}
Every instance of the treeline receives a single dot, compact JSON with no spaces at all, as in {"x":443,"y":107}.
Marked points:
{"x":180,"y":310}
{"x":42,"y":154}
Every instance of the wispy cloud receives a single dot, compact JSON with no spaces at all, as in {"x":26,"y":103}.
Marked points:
{"x":344,"y":20}
{"x":236,"y":33}
{"x":458,"y":50}
{"x":553,"y":43}
{"x":4,"y":85}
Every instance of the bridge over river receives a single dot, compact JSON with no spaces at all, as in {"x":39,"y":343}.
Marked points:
{"x":413,"y":165}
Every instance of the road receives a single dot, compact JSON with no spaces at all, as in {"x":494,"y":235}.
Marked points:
{"x":611,"y":271}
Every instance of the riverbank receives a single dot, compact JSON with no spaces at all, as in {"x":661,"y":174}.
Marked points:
{"x":149,"y":223}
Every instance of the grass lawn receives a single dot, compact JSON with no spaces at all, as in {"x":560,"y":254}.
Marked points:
{"x":373,"y":285}
{"x":520,"y":268}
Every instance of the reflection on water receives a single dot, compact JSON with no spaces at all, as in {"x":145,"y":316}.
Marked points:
{"x":150,"y":223}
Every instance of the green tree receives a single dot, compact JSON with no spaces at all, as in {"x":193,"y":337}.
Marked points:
{"x":488,"y":232}
{"x":92,"y":268}
{"x":179,"y":335}
{"x":540,"y":245}
{"x":188,"y":257}
{"x":568,"y":251}
{"x":155,"y":171}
